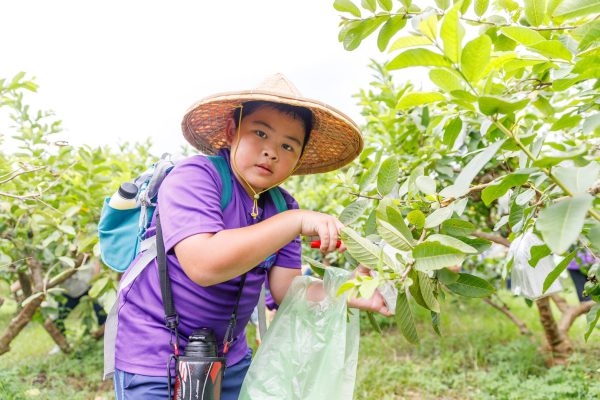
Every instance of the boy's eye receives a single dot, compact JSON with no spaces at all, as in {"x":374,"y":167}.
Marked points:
{"x":261,"y":134}
{"x":287,"y":147}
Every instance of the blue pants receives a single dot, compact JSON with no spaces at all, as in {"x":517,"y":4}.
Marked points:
{"x":136,"y":387}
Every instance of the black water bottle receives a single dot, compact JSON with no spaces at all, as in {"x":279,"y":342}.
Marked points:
{"x":199,"y":372}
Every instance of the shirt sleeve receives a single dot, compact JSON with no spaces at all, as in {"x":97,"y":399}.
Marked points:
{"x":189,"y":201}
{"x":290,"y":256}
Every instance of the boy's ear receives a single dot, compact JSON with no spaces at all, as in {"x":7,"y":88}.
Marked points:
{"x":230,"y":131}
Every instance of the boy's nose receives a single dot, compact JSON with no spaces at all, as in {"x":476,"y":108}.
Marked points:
{"x":270,"y":154}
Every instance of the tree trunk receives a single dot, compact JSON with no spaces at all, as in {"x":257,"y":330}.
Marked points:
{"x":57,"y":336}
{"x":18,"y":323}
{"x":558,"y":345}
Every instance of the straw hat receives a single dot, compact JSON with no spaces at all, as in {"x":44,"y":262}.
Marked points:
{"x":335,"y":139}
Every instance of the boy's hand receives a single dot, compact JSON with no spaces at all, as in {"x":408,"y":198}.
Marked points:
{"x":375,"y":303}
{"x":325,"y":226}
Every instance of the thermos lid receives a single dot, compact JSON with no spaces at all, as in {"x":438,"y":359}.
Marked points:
{"x":203,"y":334}
{"x":128,"y":190}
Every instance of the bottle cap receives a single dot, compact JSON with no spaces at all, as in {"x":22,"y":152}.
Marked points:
{"x":128,"y":190}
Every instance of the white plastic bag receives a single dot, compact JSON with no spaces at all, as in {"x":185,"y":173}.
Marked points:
{"x":526,"y":280}
{"x":310,"y":351}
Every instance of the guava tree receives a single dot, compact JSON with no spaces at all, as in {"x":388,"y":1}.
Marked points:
{"x":51,"y":195}
{"x":510,"y":113}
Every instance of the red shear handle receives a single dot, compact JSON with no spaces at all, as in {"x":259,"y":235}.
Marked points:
{"x":315,"y":244}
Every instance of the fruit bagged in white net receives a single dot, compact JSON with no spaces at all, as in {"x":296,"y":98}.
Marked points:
{"x":525,"y":280}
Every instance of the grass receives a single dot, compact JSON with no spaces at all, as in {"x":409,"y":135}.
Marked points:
{"x":481,"y":355}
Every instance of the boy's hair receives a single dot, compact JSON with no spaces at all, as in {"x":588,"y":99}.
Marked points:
{"x":301,"y":113}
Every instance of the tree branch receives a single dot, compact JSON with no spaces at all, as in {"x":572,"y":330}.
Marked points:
{"x":492,"y":238}
{"x":506,"y":311}
{"x":56,"y":335}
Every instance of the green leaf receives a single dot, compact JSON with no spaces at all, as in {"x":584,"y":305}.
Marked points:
{"x":426,"y":184}
{"x":68,"y":229}
{"x":409,"y":41}
{"x":452,"y":131}
{"x":591,"y":34}
{"x":418,"y":58}
{"x":346,"y":286}
{"x":404,"y":318}
{"x":537,"y":253}
{"x":388,"y":175}
{"x":438,"y":216}
{"x":446,"y":80}
{"x":430,"y":256}
{"x":357,"y":31}
{"x":426,"y":285}
{"x":417,"y":218}
{"x":98,"y":287}
{"x":443,"y":4}
{"x":561,"y":223}
{"x":392,"y":236}
{"x":576,"y":8}
{"x":471,"y":286}
{"x":535,"y":11}
{"x":554,"y":274}
{"x":396,"y":220}
{"x":578,"y":180}
{"x":428,"y":26}
{"x":354,"y":211}
{"x":385,"y":4}
{"x":475,"y":57}
{"x":525,"y":197}
{"x":479,"y":244}
{"x":592,"y":319}
{"x":435,"y":322}
{"x":415,"y":289}
{"x":458,"y":227}
{"x":451,"y":242}
{"x":317,"y":267}
{"x":363,"y":250}
{"x":492,"y":192}
{"x":367,"y":287}
{"x":374,"y":323}
{"x":523,"y":35}
{"x":370,"y":5}
{"x":552,"y":49}
{"x":371,"y":223}
{"x":452,"y":34}
{"x":557,"y":157}
{"x":413,"y":99}
{"x":346,"y":6}
{"x":490,"y":105}
{"x":594,"y":237}
{"x":68,"y":261}
{"x":446,"y":276}
{"x":470,"y":171}
{"x":389,"y":29}
{"x":481,"y":7}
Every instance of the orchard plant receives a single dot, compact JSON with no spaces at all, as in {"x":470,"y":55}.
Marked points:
{"x":501,"y":140}
{"x":51,"y":195}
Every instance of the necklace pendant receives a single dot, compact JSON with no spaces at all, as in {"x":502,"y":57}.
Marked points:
{"x":256,"y":196}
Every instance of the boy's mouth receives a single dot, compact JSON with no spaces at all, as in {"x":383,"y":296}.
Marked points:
{"x":265,"y":168}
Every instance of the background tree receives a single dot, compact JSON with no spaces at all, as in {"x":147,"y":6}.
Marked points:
{"x":50,"y":201}
{"x":512,"y":112}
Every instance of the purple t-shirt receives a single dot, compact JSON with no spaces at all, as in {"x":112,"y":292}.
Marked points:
{"x":189,"y":202}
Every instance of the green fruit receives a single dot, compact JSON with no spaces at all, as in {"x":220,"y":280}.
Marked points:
{"x":591,"y":289}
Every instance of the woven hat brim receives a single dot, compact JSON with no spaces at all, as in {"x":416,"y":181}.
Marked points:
{"x":335,"y":139}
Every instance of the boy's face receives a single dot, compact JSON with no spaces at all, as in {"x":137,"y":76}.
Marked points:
{"x":269,"y":147}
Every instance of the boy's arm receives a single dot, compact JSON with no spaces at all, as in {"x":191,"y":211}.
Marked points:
{"x":209,"y":259}
{"x":280,"y":279}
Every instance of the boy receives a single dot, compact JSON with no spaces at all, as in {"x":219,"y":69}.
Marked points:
{"x":273,"y":133}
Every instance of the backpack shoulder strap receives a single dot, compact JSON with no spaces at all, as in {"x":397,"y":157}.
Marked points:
{"x":278,"y":199}
{"x":223,"y":169}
